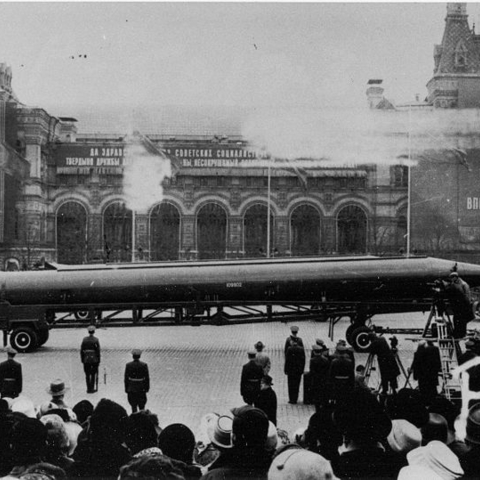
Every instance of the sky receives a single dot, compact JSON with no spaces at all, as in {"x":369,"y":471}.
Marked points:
{"x":235,"y":54}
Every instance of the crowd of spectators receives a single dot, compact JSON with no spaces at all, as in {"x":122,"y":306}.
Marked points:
{"x":353,"y":435}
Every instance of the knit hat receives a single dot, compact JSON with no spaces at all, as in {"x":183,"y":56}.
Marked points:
{"x":250,"y":426}
{"x":437,"y":457}
{"x":404,"y":436}
{"x":296,"y":463}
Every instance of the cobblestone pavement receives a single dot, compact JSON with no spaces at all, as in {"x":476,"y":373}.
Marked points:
{"x":194,"y":369}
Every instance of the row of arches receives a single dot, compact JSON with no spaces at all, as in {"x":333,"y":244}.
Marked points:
{"x":305,"y":224}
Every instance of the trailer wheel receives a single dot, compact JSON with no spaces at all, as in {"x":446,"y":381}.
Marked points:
{"x":360,"y":339}
{"x":43,"y":336}
{"x":348,"y":333}
{"x":23,"y":339}
{"x":84,"y":315}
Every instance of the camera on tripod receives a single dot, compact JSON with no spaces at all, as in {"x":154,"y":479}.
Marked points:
{"x":393,"y":343}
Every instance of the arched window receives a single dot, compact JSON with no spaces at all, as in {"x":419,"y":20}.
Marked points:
{"x":352,"y":230}
{"x":211,"y":232}
{"x":117,"y":233}
{"x":164,"y":232}
{"x":461,"y":55}
{"x":71,"y":233}
{"x":255,"y":231}
{"x":305,"y":231}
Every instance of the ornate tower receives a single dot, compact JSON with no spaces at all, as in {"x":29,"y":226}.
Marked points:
{"x":456,"y":76}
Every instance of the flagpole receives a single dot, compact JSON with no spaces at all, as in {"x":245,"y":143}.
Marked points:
{"x":409,"y":183}
{"x":133,"y":235}
{"x":268,"y":207}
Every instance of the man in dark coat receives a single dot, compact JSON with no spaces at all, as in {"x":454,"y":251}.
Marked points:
{"x":341,"y":374}
{"x":11,"y":379}
{"x":294,"y":368}
{"x":137,"y":382}
{"x":387,"y":363}
{"x":267,"y":399}
{"x":90,"y":355}
{"x":252,"y":373}
{"x":426,"y":366}
{"x":293,"y":338}
{"x":320,"y":375}
{"x":457,"y":291}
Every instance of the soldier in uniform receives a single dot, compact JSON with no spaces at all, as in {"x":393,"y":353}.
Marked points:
{"x":293,"y":338}
{"x":90,"y":355}
{"x":137,"y":381}
{"x":11,"y":379}
{"x":252,"y":373}
{"x":294,"y":368}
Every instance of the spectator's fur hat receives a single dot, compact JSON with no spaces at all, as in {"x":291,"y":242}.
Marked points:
{"x":83,"y":409}
{"x":155,"y":466}
{"x":57,"y":438}
{"x":29,"y":438}
{"x":140,"y":433}
{"x":178,"y":442}
{"x":109,"y":415}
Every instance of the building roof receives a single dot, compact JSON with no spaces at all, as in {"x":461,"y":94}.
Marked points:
{"x":157,"y":119}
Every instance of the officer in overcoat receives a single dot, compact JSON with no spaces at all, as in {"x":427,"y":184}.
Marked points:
{"x":137,"y":381}
{"x":252,"y":373}
{"x":294,"y":368}
{"x":11,"y":378}
{"x":90,"y":355}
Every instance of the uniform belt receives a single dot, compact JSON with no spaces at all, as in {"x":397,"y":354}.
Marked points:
{"x":341,"y":378}
{"x":89,"y":351}
{"x":136,"y":379}
{"x":253,"y":380}
{"x":9,"y":379}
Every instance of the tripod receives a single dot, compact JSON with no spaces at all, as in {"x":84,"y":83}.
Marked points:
{"x":370,"y":365}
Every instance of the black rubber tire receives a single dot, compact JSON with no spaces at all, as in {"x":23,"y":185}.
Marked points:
{"x":348,"y":333}
{"x":24,"y":339}
{"x":43,"y":336}
{"x":82,"y":315}
{"x":360,"y":339}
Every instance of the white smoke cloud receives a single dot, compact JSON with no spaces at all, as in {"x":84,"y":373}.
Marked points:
{"x":144,"y":173}
{"x":346,"y":137}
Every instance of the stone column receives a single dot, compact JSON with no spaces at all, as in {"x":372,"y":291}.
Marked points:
{"x":234,"y":239}
{"x":188,"y":248}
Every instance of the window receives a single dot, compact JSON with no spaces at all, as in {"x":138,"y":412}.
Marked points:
{"x":461,"y":55}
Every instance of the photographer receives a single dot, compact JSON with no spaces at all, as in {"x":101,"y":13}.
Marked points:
{"x":387,"y":363}
{"x":457,"y":292}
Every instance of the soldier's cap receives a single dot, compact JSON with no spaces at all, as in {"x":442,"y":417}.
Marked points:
{"x":91,"y":329}
{"x":318,"y":348}
{"x":252,"y":353}
{"x":320,"y":342}
{"x":294,"y":329}
{"x":11,"y":351}
{"x":136,"y":352}
{"x":453,"y":274}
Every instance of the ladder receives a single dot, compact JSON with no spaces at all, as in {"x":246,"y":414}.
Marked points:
{"x":447,"y":346}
